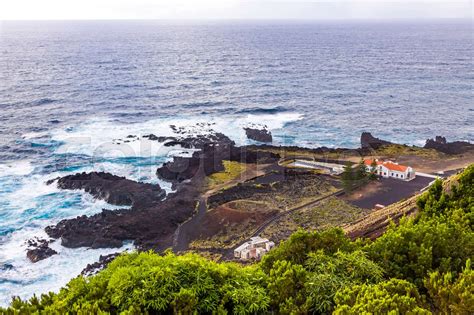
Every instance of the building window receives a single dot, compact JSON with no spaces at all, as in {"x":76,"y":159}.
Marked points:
{"x":396,"y":175}
{"x":401,"y":176}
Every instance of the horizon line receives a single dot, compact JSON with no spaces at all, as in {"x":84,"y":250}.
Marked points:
{"x":246,"y":19}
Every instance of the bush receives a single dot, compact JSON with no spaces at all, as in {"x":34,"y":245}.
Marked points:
{"x":412,"y":250}
{"x":301,"y":243}
{"x":149,"y":283}
{"x":391,"y":297}
{"x":330,"y":273}
{"x":451,"y":295}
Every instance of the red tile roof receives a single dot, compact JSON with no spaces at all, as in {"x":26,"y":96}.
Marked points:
{"x":388,"y":164}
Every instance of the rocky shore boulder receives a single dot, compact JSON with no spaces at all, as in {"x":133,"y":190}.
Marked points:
{"x":149,"y":224}
{"x":115,"y":190}
{"x":152,"y":137}
{"x":201,"y":141}
{"x":367,"y":141}
{"x":440,"y":144}
{"x":92,"y":269}
{"x":261,"y":135}
{"x":38,"y":250}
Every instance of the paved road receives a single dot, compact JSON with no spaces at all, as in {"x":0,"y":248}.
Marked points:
{"x":390,"y":191}
{"x":182,"y":236}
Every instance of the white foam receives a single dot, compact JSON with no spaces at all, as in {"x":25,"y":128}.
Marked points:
{"x":33,"y":188}
{"x":29,"y":209}
{"x":18,"y":168}
{"x":27,"y":278}
{"x":34,"y":135}
{"x":104,"y":138}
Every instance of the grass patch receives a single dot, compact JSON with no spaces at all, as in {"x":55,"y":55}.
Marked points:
{"x":395,"y":150}
{"x":232,"y":170}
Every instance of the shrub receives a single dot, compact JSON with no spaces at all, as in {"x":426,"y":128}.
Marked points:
{"x":391,"y":297}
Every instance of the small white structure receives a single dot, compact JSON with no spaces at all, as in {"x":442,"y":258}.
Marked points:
{"x":389,"y":169}
{"x":330,"y":168}
{"x":255,"y":248}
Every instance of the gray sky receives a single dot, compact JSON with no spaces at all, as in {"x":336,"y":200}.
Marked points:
{"x":233,"y":9}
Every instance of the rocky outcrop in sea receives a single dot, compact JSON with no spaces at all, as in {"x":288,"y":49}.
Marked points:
{"x":439,"y":143}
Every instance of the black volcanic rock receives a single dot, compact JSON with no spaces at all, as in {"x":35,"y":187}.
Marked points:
{"x":152,"y":137}
{"x":209,"y":159}
{"x":440,"y":144}
{"x":367,"y":141}
{"x":213,"y":148}
{"x":39,"y":250}
{"x":202,"y":163}
{"x":261,"y":135}
{"x":318,"y":150}
{"x":255,"y":156}
{"x":201,"y":141}
{"x":149,"y":224}
{"x":113,"y":189}
{"x":92,"y":269}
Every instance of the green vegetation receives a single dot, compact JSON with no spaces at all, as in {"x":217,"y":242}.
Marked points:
{"x":396,"y":150}
{"x":232,"y":170}
{"x":373,"y":170}
{"x":421,"y":266}
{"x":353,"y":177}
{"x":392,"y":296}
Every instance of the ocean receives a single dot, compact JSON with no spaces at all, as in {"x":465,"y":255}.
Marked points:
{"x":70,"y":90}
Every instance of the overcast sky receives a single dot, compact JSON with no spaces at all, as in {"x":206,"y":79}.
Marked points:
{"x":233,"y":9}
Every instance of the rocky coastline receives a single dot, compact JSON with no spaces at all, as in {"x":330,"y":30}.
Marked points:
{"x":152,"y":217}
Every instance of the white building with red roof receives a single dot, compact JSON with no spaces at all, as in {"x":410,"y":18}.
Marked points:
{"x":389,"y":169}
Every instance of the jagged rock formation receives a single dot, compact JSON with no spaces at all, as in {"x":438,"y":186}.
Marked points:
{"x":209,"y":159}
{"x":261,"y":135}
{"x":440,"y":144}
{"x":152,"y":137}
{"x":149,"y":219}
{"x":115,"y":190}
{"x":149,"y":224}
{"x":92,"y":269}
{"x":367,"y":141}
{"x":38,"y":250}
